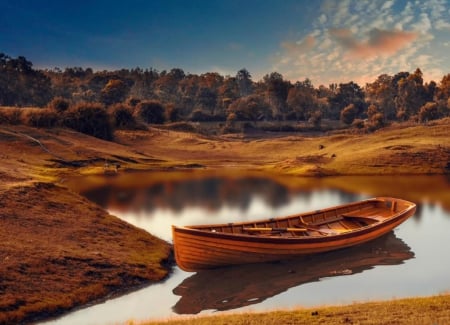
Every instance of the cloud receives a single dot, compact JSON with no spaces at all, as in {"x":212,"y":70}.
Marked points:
{"x":359,"y":40}
{"x":379,"y":42}
{"x":294,"y":48}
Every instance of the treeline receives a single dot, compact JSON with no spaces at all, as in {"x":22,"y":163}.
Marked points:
{"x":174,"y":96}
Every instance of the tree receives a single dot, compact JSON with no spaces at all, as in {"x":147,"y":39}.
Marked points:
{"x":276,"y":93}
{"x":346,"y":94}
{"x":443,"y":92}
{"x":244,"y":82}
{"x":21,"y":85}
{"x":207,"y":99}
{"x":302,"y":99}
{"x":115,"y":91}
{"x":429,"y":112}
{"x":348,"y":114}
{"x":411,"y":95}
{"x":382,"y":93}
{"x":250,"y":108}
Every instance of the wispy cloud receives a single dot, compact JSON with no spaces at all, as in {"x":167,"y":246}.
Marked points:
{"x":359,"y":40}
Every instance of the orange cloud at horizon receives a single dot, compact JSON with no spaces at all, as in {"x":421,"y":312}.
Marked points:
{"x":379,"y":43}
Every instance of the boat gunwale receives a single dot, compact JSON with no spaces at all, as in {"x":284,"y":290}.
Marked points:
{"x":192,"y":230}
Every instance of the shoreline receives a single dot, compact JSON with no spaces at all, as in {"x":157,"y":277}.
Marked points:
{"x":65,"y":232}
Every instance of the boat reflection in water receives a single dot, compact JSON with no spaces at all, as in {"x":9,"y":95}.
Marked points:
{"x":238,"y":286}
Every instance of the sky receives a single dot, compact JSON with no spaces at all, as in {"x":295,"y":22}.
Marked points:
{"x":327,"y":41}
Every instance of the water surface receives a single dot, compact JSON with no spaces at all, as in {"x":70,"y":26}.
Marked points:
{"x":389,"y":267}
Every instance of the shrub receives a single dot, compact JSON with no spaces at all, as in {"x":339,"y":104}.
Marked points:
{"x":11,"y":115}
{"x":173,"y":113}
{"x":59,"y":104}
{"x":358,"y":123}
{"x":91,"y":119}
{"x":122,"y":117}
{"x":40,"y":118}
{"x":199,"y":116}
{"x":428,"y":112}
{"x":182,"y":126}
{"x":151,"y":111}
{"x":133,"y":101}
{"x":348,"y":114}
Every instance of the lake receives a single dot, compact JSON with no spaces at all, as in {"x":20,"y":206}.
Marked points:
{"x":410,"y":261}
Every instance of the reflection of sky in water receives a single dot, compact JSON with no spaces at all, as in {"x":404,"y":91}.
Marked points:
{"x":426,"y":234}
{"x":159,"y":221}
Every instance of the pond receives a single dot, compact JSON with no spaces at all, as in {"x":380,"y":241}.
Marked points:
{"x":410,"y":261}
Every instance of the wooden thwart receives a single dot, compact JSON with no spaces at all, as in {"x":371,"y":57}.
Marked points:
{"x":374,"y":218}
{"x":275,"y":229}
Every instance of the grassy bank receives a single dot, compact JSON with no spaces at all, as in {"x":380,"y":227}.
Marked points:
{"x":429,"y":310}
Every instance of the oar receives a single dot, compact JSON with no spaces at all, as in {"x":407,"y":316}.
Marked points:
{"x":276,"y":229}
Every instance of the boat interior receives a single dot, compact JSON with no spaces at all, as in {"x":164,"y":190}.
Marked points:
{"x":332,"y":221}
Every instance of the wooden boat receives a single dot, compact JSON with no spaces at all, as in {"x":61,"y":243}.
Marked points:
{"x":209,"y":246}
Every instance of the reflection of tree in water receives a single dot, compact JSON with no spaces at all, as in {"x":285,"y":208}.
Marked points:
{"x":209,"y":193}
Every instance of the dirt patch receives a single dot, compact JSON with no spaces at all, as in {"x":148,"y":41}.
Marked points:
{"x":314,"y":159}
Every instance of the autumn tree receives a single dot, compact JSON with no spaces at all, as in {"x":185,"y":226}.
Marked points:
{"x":244,"y":82}
{"x":250,"y":108}
{"x":301,"y":100}
{"x":115,"y":91}
{"x":346,"y":94}
{"x":348,"y":114}
{"x":411,"y":95}
{"x":429,"y":112}
{"x":382,"y":93}
{"x":276,"y":93}
{"x":21,"y":85}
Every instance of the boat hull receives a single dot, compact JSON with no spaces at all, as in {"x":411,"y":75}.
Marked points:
{"x":197,"y":249}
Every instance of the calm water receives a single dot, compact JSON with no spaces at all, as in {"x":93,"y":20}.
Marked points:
{"x":410,"y":261}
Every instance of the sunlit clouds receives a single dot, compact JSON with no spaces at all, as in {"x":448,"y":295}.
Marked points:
{"x":359,"y":40}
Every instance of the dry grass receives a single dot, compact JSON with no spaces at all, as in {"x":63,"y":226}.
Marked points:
{"x":58,"y":251}
{"x":430,"y":310}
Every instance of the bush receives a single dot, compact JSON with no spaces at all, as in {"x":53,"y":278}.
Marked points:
{"x":199,"y":116}
{"x":40,"y":118}
{"x":133,"y":101}
{"x":182,"y":126}
{"x":348,"y":114}
{"x":91,"y":119}
{"x":59,"y":104}
{"x":10,"y":115}
{"x":429,"y":112}
{"x":122,"y":117}
{"x":151,"y":111}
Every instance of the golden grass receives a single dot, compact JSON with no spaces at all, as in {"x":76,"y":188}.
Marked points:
{"x":429,"y":310}
{"x":72,"y":252}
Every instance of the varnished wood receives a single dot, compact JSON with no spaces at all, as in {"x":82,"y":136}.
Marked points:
{"x":209,"y":246}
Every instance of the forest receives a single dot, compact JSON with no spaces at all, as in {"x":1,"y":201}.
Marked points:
{"x":82,"y":98}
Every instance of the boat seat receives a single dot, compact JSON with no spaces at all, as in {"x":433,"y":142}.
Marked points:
{"x":322,"y":221}
{"x":374,"y":218}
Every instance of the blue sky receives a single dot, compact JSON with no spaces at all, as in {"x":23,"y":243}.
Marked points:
{"x":326,"y":41}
